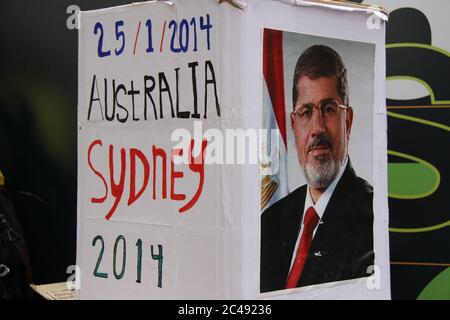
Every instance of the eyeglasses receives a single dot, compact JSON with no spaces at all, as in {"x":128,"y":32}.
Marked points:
{"x":329,"y":110}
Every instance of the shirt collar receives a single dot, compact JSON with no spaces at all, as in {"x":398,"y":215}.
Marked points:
{"x":322,"y":203}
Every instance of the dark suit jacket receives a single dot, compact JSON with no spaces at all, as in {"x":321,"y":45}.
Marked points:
{"x":342,"y":247}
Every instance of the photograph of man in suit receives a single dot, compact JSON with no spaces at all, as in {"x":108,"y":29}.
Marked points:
{"x":323,"y":231}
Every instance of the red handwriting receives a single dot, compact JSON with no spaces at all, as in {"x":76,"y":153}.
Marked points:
{"x":159,"y":160}
{"x":196,"y":165}
{"x":98,"y":174}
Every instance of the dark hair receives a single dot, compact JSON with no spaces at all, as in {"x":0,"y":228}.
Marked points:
{"x":321,"y":61}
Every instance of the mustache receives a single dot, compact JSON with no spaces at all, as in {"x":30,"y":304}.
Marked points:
{"x":321,"y":140}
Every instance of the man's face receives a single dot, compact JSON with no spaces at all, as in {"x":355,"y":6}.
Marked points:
{"x":322,"y":141}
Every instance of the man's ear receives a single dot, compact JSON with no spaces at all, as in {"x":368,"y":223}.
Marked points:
{"x":349,"y":121}
{"x":292,"y":120}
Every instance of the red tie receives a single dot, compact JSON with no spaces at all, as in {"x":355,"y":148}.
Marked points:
{"x":310,"y":223}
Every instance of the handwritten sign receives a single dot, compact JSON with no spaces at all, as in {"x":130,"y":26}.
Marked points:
{"x":169,"y":130}
{"x":145,"y":71}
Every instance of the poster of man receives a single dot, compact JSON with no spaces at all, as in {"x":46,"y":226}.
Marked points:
{"x":317,"y":220}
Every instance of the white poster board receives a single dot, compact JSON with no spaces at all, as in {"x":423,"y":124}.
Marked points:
{"x":153,"y":76}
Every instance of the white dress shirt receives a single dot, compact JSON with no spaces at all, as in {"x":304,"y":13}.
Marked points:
{"x":319,"y":206}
